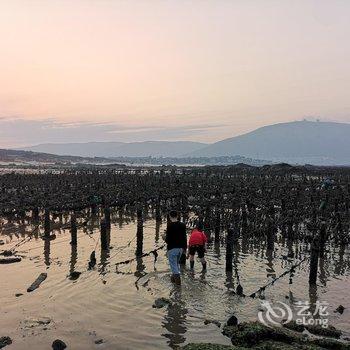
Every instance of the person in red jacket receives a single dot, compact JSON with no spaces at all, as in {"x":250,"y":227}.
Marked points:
{"x":197,"y":243}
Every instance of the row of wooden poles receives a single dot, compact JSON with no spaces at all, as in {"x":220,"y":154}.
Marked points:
{"x":317,"y":246}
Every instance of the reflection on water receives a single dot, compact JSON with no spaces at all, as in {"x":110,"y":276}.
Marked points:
{"x":175,"y":320}
{"x":120,"y":309}
{"x":313,"y":298}
{"x":73,"y":259}
{"x":140,"y":268}
{"x":270,"y":270}
{"x":47,"y":243}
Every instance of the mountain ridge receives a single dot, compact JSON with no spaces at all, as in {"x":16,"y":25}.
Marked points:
{"x":297,"y":142}
{"x":116,"y":149}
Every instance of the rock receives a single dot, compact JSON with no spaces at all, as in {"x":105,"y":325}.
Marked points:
{"x":35,"y":322}
{"x":232,"y":321}
{"x":7,"y":253}
{"x":58,"y":345}
{"x":250,"y":334}
{"x":325,"y":343}
{"x":74,"y":275}
{"x":207,"y":346}
{"x":255,"y":335}
{"x":2,"y":242}
{"x":340,"y":309}
{"x":36,"y":284}
{"x":161,"y":302}
{"x":18,"y":295}
{"x":10,"y":260}
{"x":44,"y":320}
{"x":99,"y":341}
{"x":4,"y":341}
{"x":293,"y":326}
{"x":330,"y":331}
{"x":217,"y":323}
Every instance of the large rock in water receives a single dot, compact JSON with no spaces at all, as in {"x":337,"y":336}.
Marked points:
{"x":293,"y":326}
{"x":207,"y":346}
{"x":255,"y":335}
{"x":58,"y":345}
{"x":340,"y":309}
{"x":330,"y":331}
{"x":232,"y":321}
{"x":161,"y":302}
{"x":4,"y":341}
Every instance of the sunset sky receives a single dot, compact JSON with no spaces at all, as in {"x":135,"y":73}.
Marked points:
{"x":132,"y":70}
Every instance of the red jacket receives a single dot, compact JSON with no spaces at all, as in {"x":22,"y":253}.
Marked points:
{"x":197,"y":238}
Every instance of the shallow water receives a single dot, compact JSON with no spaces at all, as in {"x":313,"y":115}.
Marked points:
{"x":116,"y":304}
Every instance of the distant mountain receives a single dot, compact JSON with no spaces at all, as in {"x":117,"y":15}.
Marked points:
{"x":301,"y":142}
{"x":320,"y":143}
{"x":120,"y":149}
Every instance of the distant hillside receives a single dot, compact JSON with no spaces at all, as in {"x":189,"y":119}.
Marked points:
{"x":33,"y":158}
{"x":301,"y":142}
{"x":120,"y":149}
{"x":320,"y":143}
{"x":13,"y":156}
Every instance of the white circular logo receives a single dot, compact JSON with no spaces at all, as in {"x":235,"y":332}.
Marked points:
{"x":276,"y":314}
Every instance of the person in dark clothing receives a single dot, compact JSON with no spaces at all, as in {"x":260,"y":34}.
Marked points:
{"x":176,"y":241}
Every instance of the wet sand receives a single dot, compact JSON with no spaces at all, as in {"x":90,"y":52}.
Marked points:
{"x":115,"y":305}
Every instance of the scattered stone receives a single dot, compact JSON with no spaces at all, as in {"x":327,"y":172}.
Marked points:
{"x":330,"y":331}
{"x":217,"y":323}
{"x":4,"y":341}
{"x":58,"y":345}
{"x":2,"y":242}
{"x":255,"y":335}
{"x":340,"y":309}
{"x":36,"y":284}
{"x":74,"y":275}
{"x":35,"y":322}
{"x":161,"y":302}
{"x":293,"y":326}
{"x":18,"y":295}
{"x":7,"y":253}
{"x":10,"y":260}
{"x":99,"y":341}
{"x":207,"y":346}
{"x":250,"y":334}
{"x":232,"y":321}
{"x":326,"y":343}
